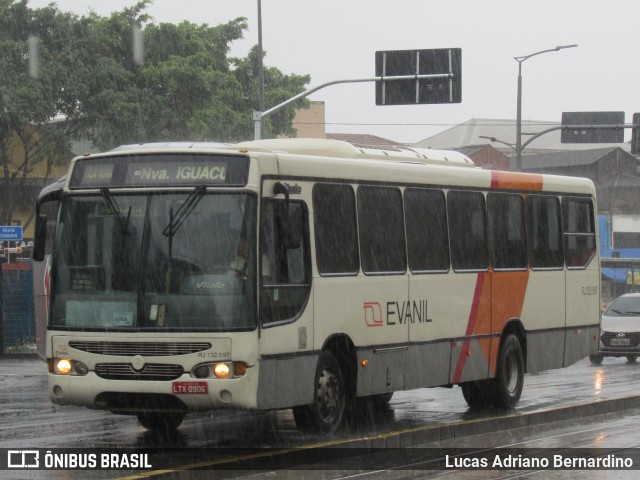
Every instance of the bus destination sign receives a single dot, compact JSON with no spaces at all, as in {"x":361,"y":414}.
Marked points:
{"x":159,"y":170}
{"x":177,"y":173}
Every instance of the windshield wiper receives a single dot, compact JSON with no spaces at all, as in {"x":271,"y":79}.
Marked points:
{"x":115,"y":210}
{"x":176,"y":220}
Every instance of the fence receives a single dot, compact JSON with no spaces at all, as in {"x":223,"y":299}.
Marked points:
{"x":17,"y":325}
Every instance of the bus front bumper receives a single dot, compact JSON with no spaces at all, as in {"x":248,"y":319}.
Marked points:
{"x":128,"y":396}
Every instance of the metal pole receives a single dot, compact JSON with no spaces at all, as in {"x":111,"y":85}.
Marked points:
{"x":258,"y":125}
{"x":494,"y":139}
{"x":258,"y":116}
{"x":518,"y":165}
{"x":260,"y":55}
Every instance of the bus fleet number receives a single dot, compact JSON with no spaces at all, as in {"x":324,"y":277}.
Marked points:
{"x":223,"y":355}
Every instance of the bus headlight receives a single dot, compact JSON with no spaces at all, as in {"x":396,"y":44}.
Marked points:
{"x":66,"y":366}
{"x":63,"y":366}
{"x":220,"y":370}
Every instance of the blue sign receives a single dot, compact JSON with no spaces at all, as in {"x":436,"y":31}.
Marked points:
{"x":9,"y":233}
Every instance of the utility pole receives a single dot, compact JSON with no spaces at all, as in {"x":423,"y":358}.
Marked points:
{"x":260,"y":60}
{"x":521,"y":59}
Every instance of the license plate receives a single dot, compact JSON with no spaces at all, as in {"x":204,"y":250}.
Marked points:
{"x":620,"y":342}
{"x":190,"y":388}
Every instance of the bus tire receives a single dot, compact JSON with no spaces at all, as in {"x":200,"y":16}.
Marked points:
{"x":478,"y":394}
{"x":161,"y":421}
{"x":596,"y":358}
{"x":509,"y":380}
{"x":632,"y":358}
{"x":326,"y":412}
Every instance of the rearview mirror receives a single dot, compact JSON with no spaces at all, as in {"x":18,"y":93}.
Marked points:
{"x":40,"y":240}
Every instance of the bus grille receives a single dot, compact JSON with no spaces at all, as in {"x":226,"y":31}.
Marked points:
{"x":151,"y":371}
{"x":634,"y":338}
{"x":148,"y":349}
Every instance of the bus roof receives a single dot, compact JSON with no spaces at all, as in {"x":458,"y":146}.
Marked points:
{"x":165,"y":145}
{"x":341,"y":149}
{"x":322,"y":148}
{"x":314,"y":157}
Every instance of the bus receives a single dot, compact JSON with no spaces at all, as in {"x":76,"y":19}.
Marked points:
{"x":308,"y":274}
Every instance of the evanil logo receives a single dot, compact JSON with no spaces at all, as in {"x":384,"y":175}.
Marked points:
{"x":372,"y":314}
{"x":377,"y":314}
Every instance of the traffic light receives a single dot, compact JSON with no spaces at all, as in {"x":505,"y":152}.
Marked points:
{"x":635,"y":135}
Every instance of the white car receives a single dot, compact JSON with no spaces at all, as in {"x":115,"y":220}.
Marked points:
{"x":620,"y":329}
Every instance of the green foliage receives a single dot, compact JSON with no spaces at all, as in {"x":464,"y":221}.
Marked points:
{"x":29,"y":101}
{"x":86,"y":79}
{"x":187,"y":88}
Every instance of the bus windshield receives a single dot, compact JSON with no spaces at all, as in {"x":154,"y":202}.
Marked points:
{"x":162,"y":261}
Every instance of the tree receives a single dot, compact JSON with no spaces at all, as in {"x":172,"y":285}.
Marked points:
{"x":188,"y":88}
{"x":87,"y":84}
{"x":30,"y":98}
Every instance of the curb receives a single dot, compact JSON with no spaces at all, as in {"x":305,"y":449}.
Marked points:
{"x":291,"y":458}
{"x":428,"y":434}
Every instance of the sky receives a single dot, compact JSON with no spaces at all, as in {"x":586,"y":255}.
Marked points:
{"x":337,"y":40}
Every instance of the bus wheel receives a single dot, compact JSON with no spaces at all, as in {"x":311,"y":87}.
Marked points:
{"x":478,"y":394}
{"x":510,"y":373}
{"x":162,"y":422}
{"x":596,"y":358}
{"x":632,"y":358}
{"x":330,"y":399}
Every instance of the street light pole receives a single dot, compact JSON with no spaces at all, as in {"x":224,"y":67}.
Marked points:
{"x":521,"y":59}
{"x":494,"y":139}
{"x":260,"y":60}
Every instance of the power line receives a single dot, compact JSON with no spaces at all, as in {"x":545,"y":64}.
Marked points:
{"x":497,"y":124}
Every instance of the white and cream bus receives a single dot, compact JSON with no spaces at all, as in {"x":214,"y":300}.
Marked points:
{"x":308,"y":274}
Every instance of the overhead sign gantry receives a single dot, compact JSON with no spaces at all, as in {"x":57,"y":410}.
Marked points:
{"x":430,"y":76}
{"x":422,"y":77}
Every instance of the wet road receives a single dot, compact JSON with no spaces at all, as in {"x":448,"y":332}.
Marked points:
{"x":29,"y":420}
{"x":616,"y":435}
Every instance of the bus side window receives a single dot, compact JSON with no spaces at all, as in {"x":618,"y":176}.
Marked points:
{"x":427,"y":236}
{"x":506,"y":231}
{"x":544,"y":232}
{"x":381,"y":230}
{"x":285,"y":265}
{"x":467,"y":231}
{"x":579,"y":231}
{"x":335,"y":223}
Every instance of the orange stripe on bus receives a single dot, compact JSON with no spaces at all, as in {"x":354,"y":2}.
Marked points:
{"x":498,"y":298}
{"x":516,"y":180}
{"x":471,"y":324}
{"x":509,"y":290}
